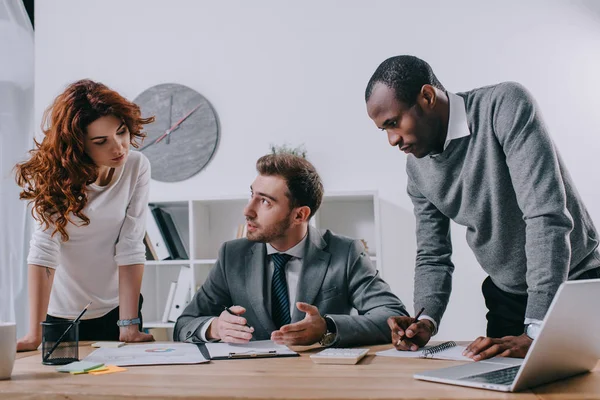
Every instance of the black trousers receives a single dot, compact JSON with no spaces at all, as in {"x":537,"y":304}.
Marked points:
{"x":506,"y":311}
{"x":102,"y":328}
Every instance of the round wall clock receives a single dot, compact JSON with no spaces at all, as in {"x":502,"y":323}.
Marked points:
{"x":184,"y":136}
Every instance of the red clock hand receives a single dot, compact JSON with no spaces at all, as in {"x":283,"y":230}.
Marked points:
{"x":176,"y":125}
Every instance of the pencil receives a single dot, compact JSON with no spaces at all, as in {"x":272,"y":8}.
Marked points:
{"x":67,"y":330}
{"x":232,"y":313}
{"x":416,"y":318}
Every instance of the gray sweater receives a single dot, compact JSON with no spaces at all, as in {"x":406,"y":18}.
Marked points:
{"x":507,"y":184}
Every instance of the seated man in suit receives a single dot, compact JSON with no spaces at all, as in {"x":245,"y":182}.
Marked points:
{"x":287,"y":281}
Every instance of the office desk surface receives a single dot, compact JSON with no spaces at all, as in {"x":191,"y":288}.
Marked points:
{"x":279,"y":378}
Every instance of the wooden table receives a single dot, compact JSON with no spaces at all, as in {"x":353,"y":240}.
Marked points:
{"x":281,"y":378}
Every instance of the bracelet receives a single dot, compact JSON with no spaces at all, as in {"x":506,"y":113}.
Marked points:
{"x":127,"y":322}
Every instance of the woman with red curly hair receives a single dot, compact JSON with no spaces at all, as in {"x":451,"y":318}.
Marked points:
{"x":90,"y":196}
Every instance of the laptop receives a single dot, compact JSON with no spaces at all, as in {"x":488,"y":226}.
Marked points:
{"x":560,"y":351}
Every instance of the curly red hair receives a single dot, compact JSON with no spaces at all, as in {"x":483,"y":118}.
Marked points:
{"x":56,"y":176}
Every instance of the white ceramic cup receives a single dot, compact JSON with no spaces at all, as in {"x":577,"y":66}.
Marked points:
{"x":8,"y":348}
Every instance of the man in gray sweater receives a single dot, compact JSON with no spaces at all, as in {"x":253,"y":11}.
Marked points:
{"x":483,"y":159}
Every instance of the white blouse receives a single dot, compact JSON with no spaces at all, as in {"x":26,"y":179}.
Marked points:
{"x":87,"y":264}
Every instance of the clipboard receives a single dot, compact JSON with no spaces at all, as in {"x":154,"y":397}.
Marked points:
{"x":256,"y":349}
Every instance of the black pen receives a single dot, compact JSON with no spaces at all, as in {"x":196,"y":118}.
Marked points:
{"x":232,"y":313}
{"x":416,"y":318}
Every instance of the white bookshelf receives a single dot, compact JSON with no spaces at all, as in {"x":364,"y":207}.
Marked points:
{"x":205,"y":224}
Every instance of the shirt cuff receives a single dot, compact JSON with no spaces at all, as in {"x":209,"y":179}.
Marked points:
{"x":205,"y":328}
{"x":435,"y":327}
{"x":533,"y":327}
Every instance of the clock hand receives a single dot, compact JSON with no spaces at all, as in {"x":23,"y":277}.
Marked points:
{"x":146,"y":146}
{"x":176,"y":126}
{"x":170,"y":117}
{"x":171,"y":129}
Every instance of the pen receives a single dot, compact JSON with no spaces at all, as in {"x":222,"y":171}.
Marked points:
{"x":232,"y":313}
{"x":253,"y":354}
{"x":416,"y":318}
{"x":67,"y":330}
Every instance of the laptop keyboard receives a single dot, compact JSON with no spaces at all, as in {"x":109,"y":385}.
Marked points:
{"x":504,"y":376}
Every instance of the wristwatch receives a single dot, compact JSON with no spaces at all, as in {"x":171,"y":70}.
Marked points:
{"x":330,"y":335}
{"x":127,"y":322}
{"x":532,"y":330}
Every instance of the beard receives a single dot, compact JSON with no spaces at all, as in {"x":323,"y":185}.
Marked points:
{"x":272,"y":232}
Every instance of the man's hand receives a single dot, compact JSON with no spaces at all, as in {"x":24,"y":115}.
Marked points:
{"x":305,"y":332}
{"x":408,"y":334}
{"x":507,"y":346}
{"x":131,"y":334}
{"x":230,"y":328}
{"x":29,"y":342}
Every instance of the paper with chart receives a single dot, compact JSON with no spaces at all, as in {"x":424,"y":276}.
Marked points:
{"x":223,"y":350}
{"x":450,"y":353}
{"x":149,"y":354}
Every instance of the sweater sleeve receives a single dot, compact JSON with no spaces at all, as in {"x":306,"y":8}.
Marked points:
{"x":44,"y":249}
{"x":537,"y":181}
{"x":130,"y":247}
{"x":433,"y":267}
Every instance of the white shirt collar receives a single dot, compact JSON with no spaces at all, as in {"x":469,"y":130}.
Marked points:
{"x":296,"y":251}
{"x":457,"y":122}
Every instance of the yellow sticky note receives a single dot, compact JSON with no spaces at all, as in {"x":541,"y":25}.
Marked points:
{"x":109,"y":370}
{"x":102,"y":368}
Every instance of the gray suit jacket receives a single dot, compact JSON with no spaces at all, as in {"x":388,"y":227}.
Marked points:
{"x":336,"y":276}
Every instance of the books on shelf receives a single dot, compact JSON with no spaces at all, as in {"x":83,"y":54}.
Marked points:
{"x":164,"y":241}
{"x":155,"y":244}
{"x":150,"y":251}
{"x":181,"y":296}
{"x":169,"y":302}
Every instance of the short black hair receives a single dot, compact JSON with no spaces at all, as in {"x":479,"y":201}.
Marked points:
{"x":305,"y":187}
{"x":406,"y":75}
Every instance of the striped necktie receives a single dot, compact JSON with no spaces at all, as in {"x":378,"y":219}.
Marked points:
{"x":280,"y":302}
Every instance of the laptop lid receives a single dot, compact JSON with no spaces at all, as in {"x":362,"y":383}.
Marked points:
{"x":566,"y":344}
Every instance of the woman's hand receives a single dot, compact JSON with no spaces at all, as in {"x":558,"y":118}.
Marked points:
{"x":132,"y":334}
{"x":29,"y":342}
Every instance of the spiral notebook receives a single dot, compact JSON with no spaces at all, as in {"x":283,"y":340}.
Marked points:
{"x":442,"y":351}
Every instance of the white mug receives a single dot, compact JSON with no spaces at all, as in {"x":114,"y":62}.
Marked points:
{"x":8,"y":348}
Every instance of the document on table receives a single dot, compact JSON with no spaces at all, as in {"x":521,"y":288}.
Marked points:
{"x":444,"y":351}
{"x":256,"y":349}
{"x":149,"y":354}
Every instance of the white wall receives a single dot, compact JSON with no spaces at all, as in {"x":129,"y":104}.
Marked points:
{"x":16,"y":127}
{"x":296,"y":72}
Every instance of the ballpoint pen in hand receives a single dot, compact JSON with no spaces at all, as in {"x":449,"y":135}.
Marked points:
{"x":416,"y":319}
{"x":67,"y":330}
{"x":232,"y":313}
